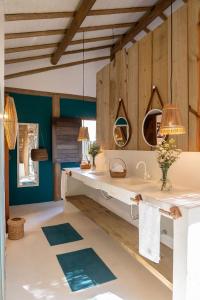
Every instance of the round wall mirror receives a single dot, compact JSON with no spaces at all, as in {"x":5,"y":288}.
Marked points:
{"x":121,"y":131}
{"x":151,"y":128}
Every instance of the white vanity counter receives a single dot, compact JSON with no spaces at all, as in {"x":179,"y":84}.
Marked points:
{"x":124,"y":189}
{"x":186,"y":229}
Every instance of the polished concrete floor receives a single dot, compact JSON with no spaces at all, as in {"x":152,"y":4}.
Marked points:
{"x":33,"y":272}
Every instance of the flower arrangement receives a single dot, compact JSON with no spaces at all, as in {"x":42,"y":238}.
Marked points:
{"x":94,"y":150}
{"x":168,"y":153}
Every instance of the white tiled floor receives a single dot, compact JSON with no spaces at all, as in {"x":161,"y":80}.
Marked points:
{"x":34,"y":273}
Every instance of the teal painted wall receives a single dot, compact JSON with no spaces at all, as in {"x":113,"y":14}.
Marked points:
{"x":36,"y":109}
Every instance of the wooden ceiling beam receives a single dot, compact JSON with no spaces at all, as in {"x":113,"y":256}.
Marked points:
{"x":52,"y":45}
{"x":51,"y":68}
{"x":70,"y":14}
{"x":19,"y":35}
{"x":123,"y":10}
{"x":24,"y":59}
{"x":78,"y":19}
{"x":38,"y":16}
{"x":48,"y":94}
{"x":151,"y":14}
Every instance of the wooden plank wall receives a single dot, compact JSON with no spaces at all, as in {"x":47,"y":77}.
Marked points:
{"x":145,"y":83}
{"x":132,"y":110}
{"x":194,"y":72}
{"x":103,"y":108}
{"x":148,"y":63}
{"x":180,"y":70}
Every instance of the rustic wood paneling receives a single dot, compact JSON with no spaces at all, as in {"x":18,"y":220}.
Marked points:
{"x":180,"y":70}
{"x":133,"y":95}
{"x":103,"y":108}
{"x":160,"y":63}
{"x":194,"y":71}
{"x":154,"y":68}
{"x":145,"y":83}
{"x":118,"y":87}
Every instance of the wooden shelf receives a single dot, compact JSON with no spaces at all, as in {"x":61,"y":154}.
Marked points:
{"x":127,"y":235}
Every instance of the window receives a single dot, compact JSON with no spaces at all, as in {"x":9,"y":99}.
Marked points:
{"x":91,"y":124}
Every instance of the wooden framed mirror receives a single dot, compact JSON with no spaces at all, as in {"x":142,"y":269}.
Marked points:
{"x":27,"y":169}
{"x":151,"y":128}
{"x":121,"y":127}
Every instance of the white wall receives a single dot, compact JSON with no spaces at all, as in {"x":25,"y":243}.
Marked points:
{"x":67,"y":80}
{"x":2,"y":206}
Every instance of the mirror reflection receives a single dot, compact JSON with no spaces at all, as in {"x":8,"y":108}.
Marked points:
{"x":27,"y":170}
{"x":121,"y":131}
{"x":151,"y":127}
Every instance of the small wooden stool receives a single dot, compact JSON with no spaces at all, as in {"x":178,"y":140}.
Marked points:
{"x":15,"y":228}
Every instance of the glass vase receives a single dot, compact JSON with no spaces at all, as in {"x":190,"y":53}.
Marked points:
{"x":165,"y":182}
{"x":93,"y":163}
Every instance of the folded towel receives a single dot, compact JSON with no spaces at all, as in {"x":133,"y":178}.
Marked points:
{"x":149,"y":231}
{"x":117,"y":168}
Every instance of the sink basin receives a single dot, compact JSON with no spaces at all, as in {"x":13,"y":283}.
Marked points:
{"x":97,"y":173}
{"x":132,"y":181}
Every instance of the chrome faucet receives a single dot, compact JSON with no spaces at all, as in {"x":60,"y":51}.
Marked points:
{"x":146,"y":174}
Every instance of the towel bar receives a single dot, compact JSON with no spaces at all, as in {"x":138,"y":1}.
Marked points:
{"x":174,"y":212}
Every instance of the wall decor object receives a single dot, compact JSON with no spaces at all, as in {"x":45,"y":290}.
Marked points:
{"x":152,"y":121}
{"x":65,"y":146}
{"x":171,"y":120}
{"x":27,"y":168}
{"x":121,"y":127}
{"x":40,"y":154}
{"x":10,"y":122}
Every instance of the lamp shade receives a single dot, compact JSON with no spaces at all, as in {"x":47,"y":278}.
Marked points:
{"x":171,"y":121}
{"x":10,"y":122}
{"x":83,"y":134}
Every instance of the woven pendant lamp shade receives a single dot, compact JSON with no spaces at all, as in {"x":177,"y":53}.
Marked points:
{"x":10,"y":122}
{"x":83,"y":134}
{"x":171,"y":123}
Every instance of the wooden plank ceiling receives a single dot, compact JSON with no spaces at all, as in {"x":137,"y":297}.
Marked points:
{"x":42,"y":33}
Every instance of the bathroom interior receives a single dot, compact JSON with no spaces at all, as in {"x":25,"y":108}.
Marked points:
{"x":100,"y":150}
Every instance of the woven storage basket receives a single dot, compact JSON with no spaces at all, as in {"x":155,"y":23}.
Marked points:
{"x":16,"y":228}
{"x":118,"y":174}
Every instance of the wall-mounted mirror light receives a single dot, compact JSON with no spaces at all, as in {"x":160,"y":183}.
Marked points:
{"x":151,"y":128}
{"x":27,"y":169}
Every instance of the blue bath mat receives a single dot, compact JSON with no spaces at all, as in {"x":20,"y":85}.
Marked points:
{"x":84,"y":269}
{"x":61,"y":234}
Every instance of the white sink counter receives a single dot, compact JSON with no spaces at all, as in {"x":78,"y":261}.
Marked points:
{"x":124,"y":189}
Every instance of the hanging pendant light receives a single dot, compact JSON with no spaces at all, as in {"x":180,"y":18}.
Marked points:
{"x":10,"y":122}
{"x":171,"y":122}
{"x":83,"y":131}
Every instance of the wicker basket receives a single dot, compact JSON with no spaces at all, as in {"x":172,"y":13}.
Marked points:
{"x":118,"y":174}
{"x":16,"y":228}
{"x":85,"y":166}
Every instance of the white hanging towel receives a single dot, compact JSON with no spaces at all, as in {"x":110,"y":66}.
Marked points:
{"x":149,"y":231}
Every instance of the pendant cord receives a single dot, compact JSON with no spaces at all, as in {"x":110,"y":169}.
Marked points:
{"x":83,"y":67}
{"x":171,"y":75}
{"x":83,"y":72}
{"x":113,"y":36}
